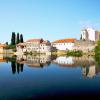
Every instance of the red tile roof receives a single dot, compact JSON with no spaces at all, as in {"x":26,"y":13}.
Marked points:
{"x":3,"y":45}
{"x":34,"y":40}
{"x":65,"y":40}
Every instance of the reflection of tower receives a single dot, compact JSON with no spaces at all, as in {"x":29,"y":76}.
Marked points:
{"x":84,"y":72}
{"x":91,"y":72}
{"x":88,"y":71}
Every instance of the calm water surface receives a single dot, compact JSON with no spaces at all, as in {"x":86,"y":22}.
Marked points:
{"x":25,"y":77}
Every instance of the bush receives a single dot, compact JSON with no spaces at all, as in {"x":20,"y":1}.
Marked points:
{"x":75,"y":53}
{"x":97,"y":52}
{"x":11,"y":47}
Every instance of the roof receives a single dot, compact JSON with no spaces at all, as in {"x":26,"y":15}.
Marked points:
{"x":46,"y":42}
{"x":65,"y":40}
{"x":21,"y":44}
{"x":34,"y":40}
{"x":2,"y":45}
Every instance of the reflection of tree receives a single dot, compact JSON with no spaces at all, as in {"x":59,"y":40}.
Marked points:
{"x":97,"y":59}
{"x":41,"y":65}
{"x":16,"y":67}
{"x":21,"y":67}
{"x":13,"y":65}
{"x":48,"y":63}
{"x":97,"y":53}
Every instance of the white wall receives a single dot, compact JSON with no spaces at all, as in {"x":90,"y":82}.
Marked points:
{"x":91,"y":34}
{"x":83,"y":33}
{"x":45,"y":48}
{"x":64,"y":46}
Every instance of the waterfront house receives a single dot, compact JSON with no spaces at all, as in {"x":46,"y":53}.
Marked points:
{"x":64,"y":44}
{"x":35,"y":46}
{"x":2,"y":48}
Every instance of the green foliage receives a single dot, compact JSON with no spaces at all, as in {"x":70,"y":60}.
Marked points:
{"x":17,"y":40}
{"x":11,"y":47}
{"x":97,"y":52}
{"x":6,"y":43}
{"x":81,"y":37}
{"x":13,"y":38}
{"x":21,"y":38}
{"x":74,"y":53}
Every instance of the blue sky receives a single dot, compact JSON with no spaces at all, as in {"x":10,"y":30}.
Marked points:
{"x":48,"y":19}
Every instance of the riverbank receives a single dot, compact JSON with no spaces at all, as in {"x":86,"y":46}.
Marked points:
{"x":65,"y":53}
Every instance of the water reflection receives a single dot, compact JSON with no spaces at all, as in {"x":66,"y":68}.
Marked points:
{"x":38,"y":61}
{"x":88,"y":65}
{"x":16,"y":67}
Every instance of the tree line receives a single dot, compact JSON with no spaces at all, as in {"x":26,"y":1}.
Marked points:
{"x":16,"y":39}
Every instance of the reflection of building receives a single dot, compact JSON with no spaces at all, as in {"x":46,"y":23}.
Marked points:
{"x":35,"y":45}
{"x":92,"y":71}
{"x":2,"y":58}
{"x":64,"y":44}
{"x":89,"y":71}
{"x":34,"y":61}
{"x":64,"y":61}
{"x":86,"y":63}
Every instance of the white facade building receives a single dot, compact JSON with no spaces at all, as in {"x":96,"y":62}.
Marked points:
{"x":64,"y":44}
{"x":88,"y":34}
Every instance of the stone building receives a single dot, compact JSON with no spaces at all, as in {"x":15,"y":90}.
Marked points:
{"x":34,"y":45}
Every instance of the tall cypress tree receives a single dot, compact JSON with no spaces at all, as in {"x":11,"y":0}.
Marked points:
{"x":17,"y":40}
{"x":13,"y":38}
{"x":21,"y":38}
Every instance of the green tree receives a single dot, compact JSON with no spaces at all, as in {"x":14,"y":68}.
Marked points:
{"x":6,"y":43}
{"x":21,"y":38}
{"x":17,"y":40}
{"x":81,"y":37}
{"x":13,"y":38}
{"x":97,"y":52}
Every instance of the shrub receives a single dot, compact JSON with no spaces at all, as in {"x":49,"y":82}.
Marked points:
{"x":75,"y":53}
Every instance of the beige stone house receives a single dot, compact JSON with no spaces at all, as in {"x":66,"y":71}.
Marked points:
{"x":2,"y":48}
{"x":34,"y":45}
